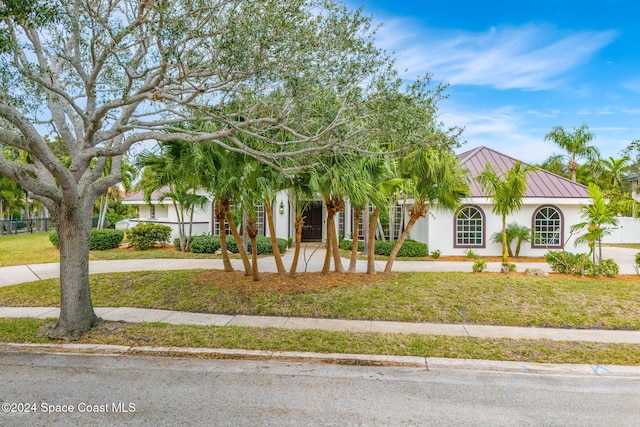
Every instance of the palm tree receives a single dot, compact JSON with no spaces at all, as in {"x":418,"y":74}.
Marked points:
{"x":507,"y":192}
{"x":614,"y":169}
{"x":517,"y":232}
{"x":171,"y":171}
{"x":576,"y":144}
{"x":597,"y":216}
{"x":433,"y":176}
{"x":301,"y":194}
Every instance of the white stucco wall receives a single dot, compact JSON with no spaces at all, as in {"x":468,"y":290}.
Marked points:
{"x":437,"y":228}
{"x":627,"y":231}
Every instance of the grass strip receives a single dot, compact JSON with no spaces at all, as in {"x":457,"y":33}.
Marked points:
{"x":160,"y":334}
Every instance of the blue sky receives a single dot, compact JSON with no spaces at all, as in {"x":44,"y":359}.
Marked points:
{"x":516,"y":69}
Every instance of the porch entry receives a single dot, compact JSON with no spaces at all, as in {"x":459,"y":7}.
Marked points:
{"x":312,"y":229}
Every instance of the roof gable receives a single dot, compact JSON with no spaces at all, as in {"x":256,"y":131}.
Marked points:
{"x":540,"y":183}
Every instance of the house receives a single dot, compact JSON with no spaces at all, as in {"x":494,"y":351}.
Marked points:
{"x":551,"y":206}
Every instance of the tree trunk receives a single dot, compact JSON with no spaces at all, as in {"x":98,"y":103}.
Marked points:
{"x":354,"y":243}
{"x":76,"y":310}
{"x":337,"y":260}
{"x":417,"y":211}
{"x":272,"y":235}
{"x":221,"y":209}
{"x":252,"y":231}
{"x":239,"y":243}
{"x":371,"y":257}
{"x":326,"y":267}
{"x":505,"y":253}
{"x":296,"y":254}
{"x":180,"y":216}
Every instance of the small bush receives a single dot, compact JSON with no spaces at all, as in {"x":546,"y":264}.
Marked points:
{"x":435,"y":254}
{"x":580,"y":264}
{"x":347,"y":244}
{"x":53,"y":238}
{"x":205,"y":244}
{"x":638,"y":259}
{"x":512,"y":267}
{"x":608,"y":268}
{"x":471,"y":254}
{"x":410,"y":248}
{"x":264,"y":245}
{"x":101,"y":240}
{"x":479,"y":265}
{"x":144,"y":236}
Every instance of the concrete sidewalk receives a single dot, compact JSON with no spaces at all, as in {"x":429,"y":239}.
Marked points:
{"x":135,"y":315}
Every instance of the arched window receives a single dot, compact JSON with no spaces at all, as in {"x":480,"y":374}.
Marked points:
{"x":547,"y":228}
{"x":469,"y":227}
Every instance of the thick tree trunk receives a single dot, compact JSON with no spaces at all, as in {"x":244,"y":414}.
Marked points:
{"x":272,"y":235}
{"x":417,"y":211}
{"x":239,"y":243}
{"x":371,"y":256}
{"x":76,"y":310}
{"x":354,"y":243}
{"x":296,"y":254}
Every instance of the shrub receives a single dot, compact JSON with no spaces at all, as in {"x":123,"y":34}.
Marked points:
{"x":53,"y":238}
{"x":410,"y":248}
{"x":638,"y":259}
{"x":435,"y":254}
{"x":176,"y":243}
{"x":264,"y":245}
{"x":347,"y":244}
{"x":144,"y":236}
{"x":101,"y":240}
{"x":205,"y":244}
{"x":479,"y":265}
{"x":471,"y":254}
{"x":512,"y":267}
{"x":580,"y":264}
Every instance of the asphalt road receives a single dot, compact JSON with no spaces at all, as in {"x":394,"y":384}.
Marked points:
{"x":62,"y":390}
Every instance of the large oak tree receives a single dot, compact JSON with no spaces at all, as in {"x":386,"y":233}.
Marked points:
{"x":104,"y":75}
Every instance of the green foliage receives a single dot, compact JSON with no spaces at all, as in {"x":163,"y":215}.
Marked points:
{"x":145,"y":235}
{"x":53,"y":238}
{"x":479,"y":265}
{"x":264,"y":245}
{"x":471,"y":254}
{"x":580,"y":264}
{"x":512,"y":267}
{"x":100,"y":239}
{"x":410,"y":248}
{"x":346,"y":245}
{"x":435,"y":254}
{"x":638,"y":259}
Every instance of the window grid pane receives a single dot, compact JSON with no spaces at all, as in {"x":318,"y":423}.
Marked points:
{"x":469,"y":227}
{"x":547,"y":226}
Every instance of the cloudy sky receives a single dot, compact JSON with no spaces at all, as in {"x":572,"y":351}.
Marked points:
{"x":516,"y":69}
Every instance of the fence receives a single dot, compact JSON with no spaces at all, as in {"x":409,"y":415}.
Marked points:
{"x":32,"y":225}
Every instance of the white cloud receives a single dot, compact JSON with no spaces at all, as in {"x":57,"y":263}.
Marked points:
{"x":532,"y":57}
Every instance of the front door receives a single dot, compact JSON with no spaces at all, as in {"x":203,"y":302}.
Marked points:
{"x":312,"y":229}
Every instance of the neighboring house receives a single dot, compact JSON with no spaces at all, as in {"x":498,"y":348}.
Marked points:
{"x":551,"y":206}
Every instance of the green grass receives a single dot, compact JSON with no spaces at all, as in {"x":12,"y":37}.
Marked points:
{"x":160,"y":334}
{"x":625,"y":245}
{"x":37,"y":249}
{"x":490,"y":299}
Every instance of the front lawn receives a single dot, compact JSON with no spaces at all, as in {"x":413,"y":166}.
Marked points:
{"x":490,"y":299}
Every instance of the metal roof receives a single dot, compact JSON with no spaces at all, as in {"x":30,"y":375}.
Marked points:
{"x":541,"y":183}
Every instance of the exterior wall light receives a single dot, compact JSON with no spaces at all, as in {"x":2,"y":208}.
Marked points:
{"x":281,"y":208}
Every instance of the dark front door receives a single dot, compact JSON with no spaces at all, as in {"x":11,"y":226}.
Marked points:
{"x":312,"y":230}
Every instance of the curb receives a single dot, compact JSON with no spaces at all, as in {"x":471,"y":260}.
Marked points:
{"x":415,"y":362}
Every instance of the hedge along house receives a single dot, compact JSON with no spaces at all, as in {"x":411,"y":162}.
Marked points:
{"x":550,"y":207}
